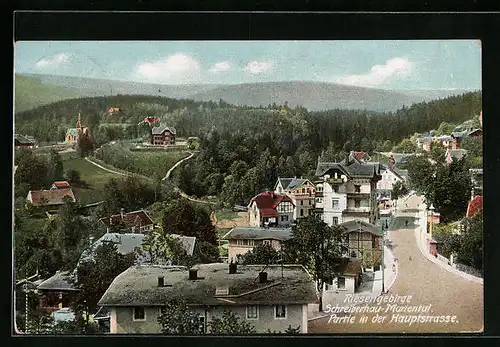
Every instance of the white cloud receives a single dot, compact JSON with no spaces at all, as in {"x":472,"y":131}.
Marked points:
{"x":58,"y":59}
{"x":378,"y":74}
{"x":177,"y":68}
{"x":257,"y":67}
{"x":221,"y":67}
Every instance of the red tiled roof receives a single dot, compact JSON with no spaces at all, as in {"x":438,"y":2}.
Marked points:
{"x":49,"y":197}
{"x":474,"y":206}
{"x":61,"y":184}
{"x":137,"y":218}
{"x":269,"y":200}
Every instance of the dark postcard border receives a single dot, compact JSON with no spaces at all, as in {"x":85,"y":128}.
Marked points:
{"x":258,"y":26}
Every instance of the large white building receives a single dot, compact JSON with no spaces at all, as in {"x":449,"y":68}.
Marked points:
{"x":388,"y":178}
{"x":347,"y":191}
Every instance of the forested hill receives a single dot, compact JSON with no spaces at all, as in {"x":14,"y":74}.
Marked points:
{"x":193,"y":118}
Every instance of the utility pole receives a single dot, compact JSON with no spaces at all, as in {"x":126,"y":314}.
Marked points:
{"x":27,"y":305}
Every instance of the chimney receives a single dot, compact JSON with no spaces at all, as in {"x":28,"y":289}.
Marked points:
{"x":193,"y":274}
{"x":347,"y":159}
{"x":161,"y":282}
{"x":232,"y":268}
{"x":122,"y":212}
{"x":263,"y":277}
{"x":108,"y":229}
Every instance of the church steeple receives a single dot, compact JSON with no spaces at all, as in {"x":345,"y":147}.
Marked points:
{"x":78,"y":123}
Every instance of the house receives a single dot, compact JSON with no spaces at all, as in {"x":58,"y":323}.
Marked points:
{"x":271,"y":209}
{"x":389,"y":178}
{"x":362,"y":156}
{"x":135,"y":221}
{"x":56,"y":292}
{"x":112,"y":110}
{"x":130,"y":243}
{"x":163,"y":135}
{"x":474,"y":206}
{"x":24,"y":141}
{"x":454,"y":154}
{"x":475,"y":133}
{"x":73,"y":134}
{"x":60,"y":185}
{"x":348,"y":278}
{"x":301,"y":191}
{"x":348,"y":191}
{"x":425,"y":143}
{"x":272,"y":299}
{"x":243,"y":239}
{"x":50,"y":198}
{"x":149,"y":120}
{"x":364,"y":241}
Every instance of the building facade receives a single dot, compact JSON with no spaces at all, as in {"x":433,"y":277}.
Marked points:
{"x":347,"y":191}
{"x":163,"y":135}
{"x":301,"y":191}
{"x":271,"y":300}
{"x":269,"y":209}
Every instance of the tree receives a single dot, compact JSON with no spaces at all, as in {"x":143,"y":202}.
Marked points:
{"x":470,"y":251}
{"x":406,"y":146}
{"x":262,"y":254}
{"x":229,"y":324}
{"x":445,"y":128}
{"x":398,"y":189}
{"x":73,"y":176}
{"x":437,"y":152}
{"x":32,"y":171}
{"x":420,"y":173}
{"x":94,"y":276}
{"x":85,"y":146}
{"x":316,"y":246}
{"x":163,"y":248}
{"x":473,"y":145}
{"x":56,"y":166}
{"x":177,"y":319}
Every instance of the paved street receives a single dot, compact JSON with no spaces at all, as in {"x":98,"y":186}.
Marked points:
{"x":427,"y":282}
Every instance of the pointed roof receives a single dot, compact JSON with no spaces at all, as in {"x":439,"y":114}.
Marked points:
{"x":474,"y":206}
{"x":50,"y":197}
{"x":161,"y":129}
{"x":361,"y":226}
{"x":268,"y":201}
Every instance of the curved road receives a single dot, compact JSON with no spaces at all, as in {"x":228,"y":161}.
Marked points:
{"x":427,"y":282}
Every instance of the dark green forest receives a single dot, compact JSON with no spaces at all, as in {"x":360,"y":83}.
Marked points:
{"x":244,"y":149}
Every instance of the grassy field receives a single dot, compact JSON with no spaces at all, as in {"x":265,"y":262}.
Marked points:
{"x":226,"y":215}
{"x":95,"y":177}
{"x":147,"y":163}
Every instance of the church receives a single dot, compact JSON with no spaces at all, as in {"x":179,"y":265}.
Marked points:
{"x":72,"y":134}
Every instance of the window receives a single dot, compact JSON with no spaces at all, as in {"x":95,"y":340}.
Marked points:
{"x":301,"y":212}
{"x":310,"y":202}
{"x":335,"y":204}
{"x":284,"y":218}
{"x":279,"y":311}
{"x":336,"y":189}
{"x":139,"y":314}
{"x":239,"y":242}
{"x":252,"y":312}
{"x":335,"y":220}
{"x":319,"y":200}
{"x":202,"y":324}
{"x":319,"y":188}
{"x":266,"y":242}
{"x":357,"y":188}
{"x":357,"y":203}
{"x":341,"y":283}
{"x":301,"y":202}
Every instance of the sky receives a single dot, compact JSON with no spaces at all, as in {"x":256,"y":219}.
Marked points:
{"x":396,"y":65}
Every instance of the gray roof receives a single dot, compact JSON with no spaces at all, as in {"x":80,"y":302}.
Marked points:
{"x":361,"y":226}
{"x":137,"y":286}
{"x":161,"y":129}
{"x":353,"y":169}
{"x":403,"y":174}
{"x":291,"y":183}
{"x":24,"y":138}
{"x":127,"y":243}
{"x":254,"y":233}
{"x":425,"y":139}
{"x":57,"y":282}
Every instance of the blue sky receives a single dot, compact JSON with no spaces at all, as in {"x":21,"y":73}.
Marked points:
{"x":400,"y":65}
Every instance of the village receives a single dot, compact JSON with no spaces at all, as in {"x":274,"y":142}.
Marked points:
{"x":375,"y":238}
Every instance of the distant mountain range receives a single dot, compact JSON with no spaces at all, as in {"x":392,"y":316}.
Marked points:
{"x":32,"y":90}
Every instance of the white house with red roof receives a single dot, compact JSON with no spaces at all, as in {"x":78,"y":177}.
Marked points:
{"x":135,"y":221}
{"x":269,"y":209}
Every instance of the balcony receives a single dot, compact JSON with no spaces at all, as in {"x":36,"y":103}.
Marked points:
{"x":357,"y":210}
{"x":335,"y":181}
{"x":358,"y":195}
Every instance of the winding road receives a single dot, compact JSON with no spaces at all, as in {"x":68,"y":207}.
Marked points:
{"x":427,"y":282}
